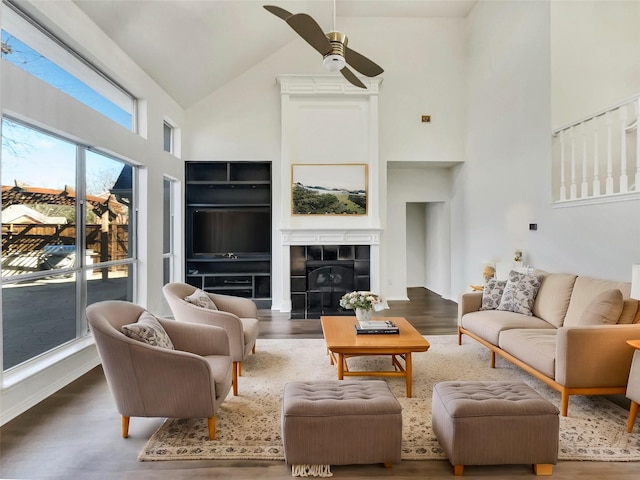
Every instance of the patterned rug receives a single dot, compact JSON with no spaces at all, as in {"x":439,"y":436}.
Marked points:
{"x":248,"y":426}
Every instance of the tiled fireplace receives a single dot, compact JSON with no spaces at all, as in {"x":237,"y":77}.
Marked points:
{"x":322,"y":274}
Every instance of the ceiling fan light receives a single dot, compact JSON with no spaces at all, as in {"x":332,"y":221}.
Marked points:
{"x":334,"y":63}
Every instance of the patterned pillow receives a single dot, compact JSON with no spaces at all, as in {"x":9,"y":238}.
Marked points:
{"x":492,"y":293}
{"x":200,"y":298}
{"x":520,"y":293}
{"x":148,"y":330}
{"x":604,"y":309}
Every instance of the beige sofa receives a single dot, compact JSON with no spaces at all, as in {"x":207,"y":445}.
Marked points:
{"x":552,"y":344}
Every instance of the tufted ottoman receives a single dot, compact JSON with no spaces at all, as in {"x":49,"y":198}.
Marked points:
{"x":493,"y":423}
{"x":339,"y":423}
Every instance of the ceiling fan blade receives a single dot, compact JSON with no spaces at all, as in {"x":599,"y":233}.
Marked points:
{"x":310,"y":31}
{"x":278,"y":12}
{"x":351,"y":77}
{"x":362,"y":63}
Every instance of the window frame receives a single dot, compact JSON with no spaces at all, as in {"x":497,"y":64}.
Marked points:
{"x":80,"y":269}
{"x":26,"y":29}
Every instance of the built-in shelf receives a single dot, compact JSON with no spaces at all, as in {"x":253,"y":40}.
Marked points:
{"x":228,"y":228}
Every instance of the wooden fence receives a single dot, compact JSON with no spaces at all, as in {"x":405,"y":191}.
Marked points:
{"x":32,"y":247}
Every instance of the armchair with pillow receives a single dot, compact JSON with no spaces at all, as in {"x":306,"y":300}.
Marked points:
{"x":568,"y":331}
{"x":237,"y":315}
{"x":160,"y":368}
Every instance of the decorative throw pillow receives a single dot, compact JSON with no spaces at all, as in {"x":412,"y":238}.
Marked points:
{"x":199,"y":298}
{"x":605,"y":309}
{"x":492,"y":293}
{"x":148,"y":330}
{"x":520,"y":293}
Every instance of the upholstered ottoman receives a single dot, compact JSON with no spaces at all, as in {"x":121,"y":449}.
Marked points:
{"x":340,"y":422}
{"x":493,"y":423}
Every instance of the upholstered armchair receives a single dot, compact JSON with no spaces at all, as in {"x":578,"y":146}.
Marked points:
{"x":190,"y":380}
{"x":237,"y":315}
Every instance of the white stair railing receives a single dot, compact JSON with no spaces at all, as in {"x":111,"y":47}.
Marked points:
{"x":578,"y":147}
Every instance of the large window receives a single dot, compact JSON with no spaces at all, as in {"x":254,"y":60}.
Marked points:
{"x":68,"y":238}
{"x":168,"y":224}
{"x":30,"y":47}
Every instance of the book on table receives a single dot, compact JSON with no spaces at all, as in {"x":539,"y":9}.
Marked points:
{"x":376,"y":326}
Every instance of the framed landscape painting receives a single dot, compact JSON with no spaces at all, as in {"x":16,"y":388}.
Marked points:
{"x":329,"y":189}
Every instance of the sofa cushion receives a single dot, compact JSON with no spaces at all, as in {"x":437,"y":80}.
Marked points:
{"x":604,"y":309}
{"x":199,"y":298}
{"x":536,"y":348}
{"x":553,"y":297}
{"x":148,"y":330}
{"x":492,"y":293}
{"x":488,"y":324}
{"x":584,"y":291}
{"x":629,"y":311}
{"x":520,"y":293}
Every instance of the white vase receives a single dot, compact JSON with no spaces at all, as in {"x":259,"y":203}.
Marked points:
{"x":363,"y":315}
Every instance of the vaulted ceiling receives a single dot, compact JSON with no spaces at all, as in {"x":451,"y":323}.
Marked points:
{"x":193,"y":47}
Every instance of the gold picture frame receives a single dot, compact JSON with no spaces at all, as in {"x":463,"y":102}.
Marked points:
{"x":329,"y":189}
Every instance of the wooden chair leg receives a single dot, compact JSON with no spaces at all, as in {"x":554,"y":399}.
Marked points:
{"x":253,"y":350}
{"x":493,"y":359}
{"x":543,"y":469}
{"x":234,"y":367}
{"x":211,"y":423}
{"x":125,"y":426}
{"x":459,"y":336}
{"x":458,"y":470}
{"x":633,"y":412}
{"x":564,"y":402}
{"x":239,"y":369}
{"x":387,"y":464}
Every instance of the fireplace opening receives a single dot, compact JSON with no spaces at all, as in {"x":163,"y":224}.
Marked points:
{"x":321,"y":275}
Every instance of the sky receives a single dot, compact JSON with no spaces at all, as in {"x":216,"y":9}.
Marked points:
{"x":39,"y":66}
{"x":345,"y":176}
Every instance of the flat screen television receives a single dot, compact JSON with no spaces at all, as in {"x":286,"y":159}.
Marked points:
{"x":218,"y":232}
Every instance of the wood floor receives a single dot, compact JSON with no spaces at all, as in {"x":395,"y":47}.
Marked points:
{"x":75,"y":434}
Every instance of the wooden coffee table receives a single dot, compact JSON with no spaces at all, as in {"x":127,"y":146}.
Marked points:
{"x":342,"y":343}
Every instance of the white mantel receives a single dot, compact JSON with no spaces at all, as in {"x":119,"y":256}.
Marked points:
{"x":326,"y":120}
{"x":334,"y":236}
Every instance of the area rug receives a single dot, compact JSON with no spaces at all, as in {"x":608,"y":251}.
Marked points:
{"x":248,"y":426}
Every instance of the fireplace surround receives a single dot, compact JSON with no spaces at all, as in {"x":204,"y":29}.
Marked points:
{"x":322,"y":274}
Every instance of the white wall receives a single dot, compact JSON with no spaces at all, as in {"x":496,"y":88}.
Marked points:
{"x":34,"y":101}
{"x":594,"y":56}
{"x":504,"y":184}
{"x":438,"y":248}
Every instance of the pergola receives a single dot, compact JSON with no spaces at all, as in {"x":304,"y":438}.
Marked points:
{"x":28,"y":195}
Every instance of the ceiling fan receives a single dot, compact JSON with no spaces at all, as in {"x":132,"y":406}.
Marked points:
{"x":331,"y":45}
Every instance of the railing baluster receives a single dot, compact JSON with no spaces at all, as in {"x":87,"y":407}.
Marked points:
{"x":609,"y":180}
{"x":584,"y":188}
{"x":637,"y":182}
{"x":596,"y":163}
{"x":624,"y":180}
{"x":572,"y":187}
{"x":563,"y":187}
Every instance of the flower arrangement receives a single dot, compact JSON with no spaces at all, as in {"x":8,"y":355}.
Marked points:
{"x":517,"y":256}
{"x":360,"y":299}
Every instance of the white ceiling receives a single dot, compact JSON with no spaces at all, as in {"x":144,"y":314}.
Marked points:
{"x":192,"y":47}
